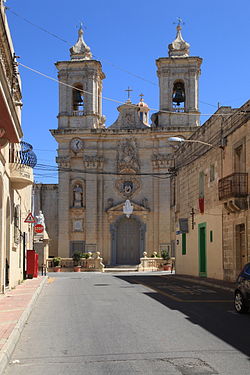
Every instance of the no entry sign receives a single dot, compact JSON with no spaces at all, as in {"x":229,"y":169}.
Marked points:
{"x":39,"y":228}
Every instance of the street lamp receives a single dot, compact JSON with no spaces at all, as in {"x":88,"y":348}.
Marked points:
{"x":182,"y":140}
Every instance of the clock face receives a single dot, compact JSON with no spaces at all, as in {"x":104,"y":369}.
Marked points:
{"x":76,"y":144}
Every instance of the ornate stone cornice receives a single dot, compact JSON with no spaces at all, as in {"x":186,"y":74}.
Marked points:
{"x":93,"y":161}
{"x":162,"y":160}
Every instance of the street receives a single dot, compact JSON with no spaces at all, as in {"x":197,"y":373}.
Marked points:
{"x":103,"y":323}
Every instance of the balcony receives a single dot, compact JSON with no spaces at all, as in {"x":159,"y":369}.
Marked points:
{"x":233,"y":186}
{"x":22,"y":162}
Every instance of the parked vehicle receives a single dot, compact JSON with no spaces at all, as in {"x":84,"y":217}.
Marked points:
{"x":242,"y":291}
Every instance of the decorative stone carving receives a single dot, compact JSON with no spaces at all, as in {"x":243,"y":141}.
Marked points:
{"x":128,"y":117}
{"x":128,"y":208}
{"x":117,"y":210}
{"x":127,"y":186}
{"x":127,"y":157}
{"x":162,"y":160}
{"x":110,"y":202}
{"x":93,"y":161}
{"x":144,"y":202}
{"x":63,"y":162}
{"x":77,"y":225}
{"x":178,"y":48}
{"x":80,"y":51}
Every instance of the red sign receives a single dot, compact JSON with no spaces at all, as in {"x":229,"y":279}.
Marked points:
{"x":30,"y":219}
{"x":39,"y":228}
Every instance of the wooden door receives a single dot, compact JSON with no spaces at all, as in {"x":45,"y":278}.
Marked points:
{"x":241,"y":251}
{"x":128,"y":242}
{"x":202,"y":250}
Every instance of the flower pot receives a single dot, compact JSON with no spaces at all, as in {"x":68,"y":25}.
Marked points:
{"x":77,"y":269}
{"x":167,"y":267}
{"x":57,"y":268}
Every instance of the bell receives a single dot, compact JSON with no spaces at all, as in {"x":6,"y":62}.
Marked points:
{"x":178,"y":96}
{"x":78,"y":97}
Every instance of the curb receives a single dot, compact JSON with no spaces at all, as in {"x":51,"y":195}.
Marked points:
{"x":10,"y":344}
{"x":203,"y":282}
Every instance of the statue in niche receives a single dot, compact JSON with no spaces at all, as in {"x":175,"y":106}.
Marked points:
{"x":77,"y":196}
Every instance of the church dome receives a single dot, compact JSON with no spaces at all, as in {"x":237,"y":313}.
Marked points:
{"x":178,"y":48}
{"x":80,"y":51}
{"x":142,"y":103}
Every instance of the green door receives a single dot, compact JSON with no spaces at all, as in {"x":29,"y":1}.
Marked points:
{"x":202,"y":250}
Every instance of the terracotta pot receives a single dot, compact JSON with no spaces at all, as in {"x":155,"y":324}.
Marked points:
{"x":57,"y":269}
{"x":167,"y":267}
{"x":77,"y":269}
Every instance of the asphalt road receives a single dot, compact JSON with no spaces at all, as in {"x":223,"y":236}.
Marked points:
{"x":92,"y":323}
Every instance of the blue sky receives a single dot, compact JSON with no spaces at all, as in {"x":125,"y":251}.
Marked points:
{"x":127,"y":37}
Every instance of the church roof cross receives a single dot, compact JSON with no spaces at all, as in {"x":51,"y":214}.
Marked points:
{"x":128,"y":90}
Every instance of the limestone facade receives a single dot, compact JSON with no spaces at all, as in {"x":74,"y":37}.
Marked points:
{"x":210,"y":197}
{"x":16,"y":173}
{"x":101,"y":167}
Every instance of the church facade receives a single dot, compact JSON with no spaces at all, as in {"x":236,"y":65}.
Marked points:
{"x":113,"y":192}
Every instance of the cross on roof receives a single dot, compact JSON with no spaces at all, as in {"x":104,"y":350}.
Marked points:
{"x":180,"y":21}
{"x":128,"y":90}
{"x":141,"y":95}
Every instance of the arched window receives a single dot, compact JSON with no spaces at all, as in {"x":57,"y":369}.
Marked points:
{"x":178,"y":96}
{"x":78,"y":99}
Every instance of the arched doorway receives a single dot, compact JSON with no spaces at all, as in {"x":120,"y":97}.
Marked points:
{"x":127,"y":241}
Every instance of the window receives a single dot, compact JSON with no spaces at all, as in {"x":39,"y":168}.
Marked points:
{"x":77,"y":246}
{"x":184,"y":244}
{"x":201,"y":184}
{"x":212,"y":172}
{"x":211,"y":236}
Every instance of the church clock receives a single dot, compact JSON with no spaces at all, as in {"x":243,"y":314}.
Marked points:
{"x":76,"y":144}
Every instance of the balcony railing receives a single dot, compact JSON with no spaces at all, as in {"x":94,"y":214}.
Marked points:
{"x":22,"y":161}
{"x":233,"y":186}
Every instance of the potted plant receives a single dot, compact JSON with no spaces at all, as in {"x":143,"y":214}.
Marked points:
{"x":77,"y":261}
{"x":57,"y":264}
{"x":167,"y":261}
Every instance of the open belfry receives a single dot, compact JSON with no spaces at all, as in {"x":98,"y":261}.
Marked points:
{"x":113,"y":192}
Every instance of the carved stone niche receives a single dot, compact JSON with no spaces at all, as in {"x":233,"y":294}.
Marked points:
{"x":127,"y":155}
{"x":93,"y":162}
{"x":77,"y":195}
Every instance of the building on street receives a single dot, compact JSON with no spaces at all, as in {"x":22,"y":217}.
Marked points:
{"x":16,"y":167}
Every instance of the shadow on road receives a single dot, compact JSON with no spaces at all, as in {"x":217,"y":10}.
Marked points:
{"x":217,"y":317}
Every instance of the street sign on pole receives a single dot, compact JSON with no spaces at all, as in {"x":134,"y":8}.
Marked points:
{"x":30,"y":219}
{"x":39,"y":228}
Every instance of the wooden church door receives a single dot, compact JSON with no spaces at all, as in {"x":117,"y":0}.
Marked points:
{"x":128,"y":242}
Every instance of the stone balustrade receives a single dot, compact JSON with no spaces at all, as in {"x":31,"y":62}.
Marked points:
{"x":152,"y":263}
{"x":92,"y":263}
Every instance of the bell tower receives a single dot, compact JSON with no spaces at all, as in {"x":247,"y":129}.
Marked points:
{"x":179,"y":85}
{"x":80,"y":91}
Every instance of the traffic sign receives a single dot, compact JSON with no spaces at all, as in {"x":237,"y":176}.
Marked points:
{"x":30,"y":219}
{"x":39,"y":228}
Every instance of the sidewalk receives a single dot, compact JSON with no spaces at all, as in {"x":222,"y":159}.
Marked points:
{"x":221,"y":284}
{"x":15,"y":308}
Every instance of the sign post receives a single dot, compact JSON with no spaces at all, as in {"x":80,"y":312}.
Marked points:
{"x":39,"y":228}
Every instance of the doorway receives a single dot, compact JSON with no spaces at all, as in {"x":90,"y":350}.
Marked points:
{"x":241,"y":250}
{"x":202,"y":249}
